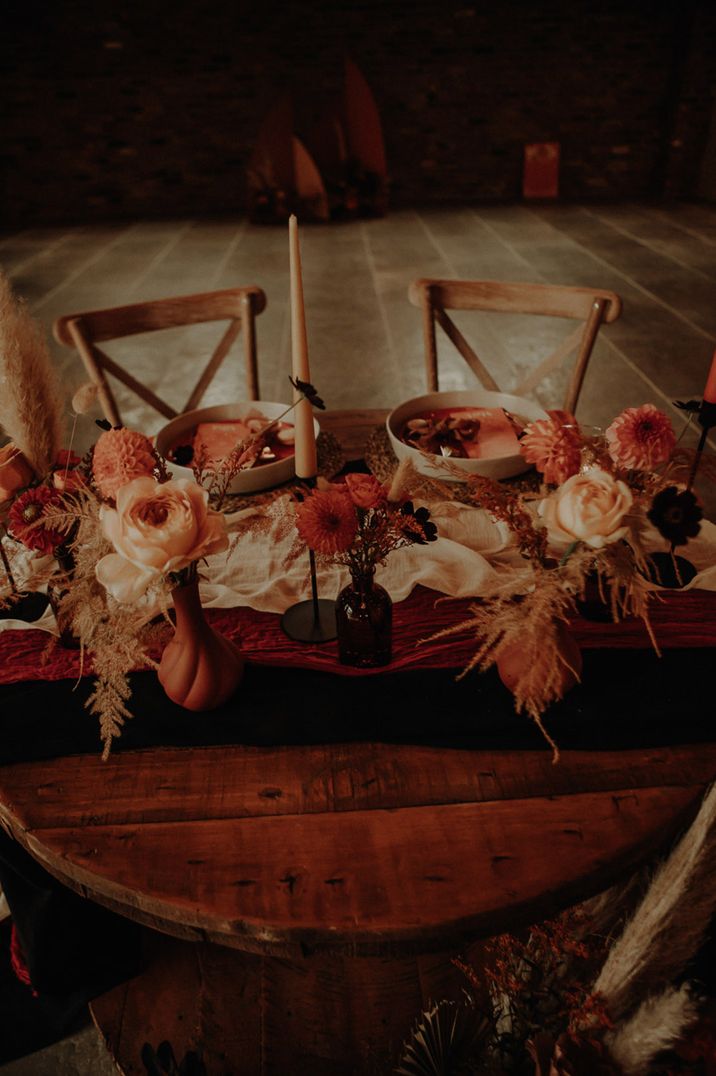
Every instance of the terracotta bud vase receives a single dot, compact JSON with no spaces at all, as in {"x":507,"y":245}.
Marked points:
{"x":515,"y":659}
{"x":200,"y":669}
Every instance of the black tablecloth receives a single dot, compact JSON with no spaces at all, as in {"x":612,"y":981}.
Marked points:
{"x":627,"y":698}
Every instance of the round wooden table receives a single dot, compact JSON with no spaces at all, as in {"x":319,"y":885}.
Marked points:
{"x":309,"y":899}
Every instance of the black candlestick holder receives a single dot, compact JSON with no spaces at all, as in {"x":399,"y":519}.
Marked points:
{"x":313,"y":620}
{"x":27,"y":605}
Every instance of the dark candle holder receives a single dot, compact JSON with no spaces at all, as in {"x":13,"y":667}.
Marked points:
{"x":668,"y":569}
{"x":313,"y":620}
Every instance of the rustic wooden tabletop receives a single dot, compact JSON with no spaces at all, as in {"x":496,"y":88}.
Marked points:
{"x":315,"y":895}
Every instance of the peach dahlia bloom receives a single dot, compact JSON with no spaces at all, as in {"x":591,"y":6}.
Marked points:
{"x":119,"y":456}
{"x":554,"y":445}
{"x":640,"y":438}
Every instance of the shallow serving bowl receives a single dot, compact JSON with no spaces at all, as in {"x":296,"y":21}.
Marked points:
{"x":254,"y":478}
{"x":489,"y":466}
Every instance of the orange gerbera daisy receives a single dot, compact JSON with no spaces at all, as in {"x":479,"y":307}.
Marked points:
{"x":327,"y":521}
{"x":640,"y":438}
{"x":554,"y":446}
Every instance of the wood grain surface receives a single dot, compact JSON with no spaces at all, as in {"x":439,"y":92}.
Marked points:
{"x":361,"y":849}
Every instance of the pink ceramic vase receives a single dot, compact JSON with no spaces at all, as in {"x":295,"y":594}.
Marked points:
{"x":200,"y":669}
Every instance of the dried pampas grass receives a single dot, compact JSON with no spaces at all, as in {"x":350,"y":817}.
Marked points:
{"x":657,"y":1025}
{"x":30,"y":395}
{"x":671,"y":921}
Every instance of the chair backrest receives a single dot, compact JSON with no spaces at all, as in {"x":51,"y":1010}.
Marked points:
{"x":86,"y":330}
{"x":589,"y":306}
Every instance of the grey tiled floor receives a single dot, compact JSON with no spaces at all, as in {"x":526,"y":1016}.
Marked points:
{"x":365,"y":339}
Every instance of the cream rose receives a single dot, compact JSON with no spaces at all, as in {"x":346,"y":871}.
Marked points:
{"x":156,"y":528}
{"x":588,"y":507}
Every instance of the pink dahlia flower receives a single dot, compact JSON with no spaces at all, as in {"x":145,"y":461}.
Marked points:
{"x":554,"y":445}
{"x":640,"y":438}
{"x":119,"y":456}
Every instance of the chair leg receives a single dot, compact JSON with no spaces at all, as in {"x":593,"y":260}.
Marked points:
{"x":429,"y":341}
{"x":249,"y":325}
{"x":104,"y":392}
{"x":591,"y":328}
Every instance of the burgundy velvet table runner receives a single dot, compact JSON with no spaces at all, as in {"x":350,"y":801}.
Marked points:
{"x":679,"y":619}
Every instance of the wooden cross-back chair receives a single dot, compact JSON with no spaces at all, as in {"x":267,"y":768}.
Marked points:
{"x":590,"y":307}
{"x":86,"y":330}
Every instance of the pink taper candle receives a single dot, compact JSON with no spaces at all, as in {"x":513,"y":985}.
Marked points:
{"x":305,"y":445}
{"x":710,"y":390}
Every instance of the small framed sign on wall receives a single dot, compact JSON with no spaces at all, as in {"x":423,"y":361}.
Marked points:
{"x":541,"y":170}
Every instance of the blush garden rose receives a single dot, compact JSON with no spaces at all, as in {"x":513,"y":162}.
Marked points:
{"x":588,"y":507}
{"x":156,"y":529}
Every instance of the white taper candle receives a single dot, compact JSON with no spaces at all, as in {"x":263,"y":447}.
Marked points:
{"x":305,"y":439}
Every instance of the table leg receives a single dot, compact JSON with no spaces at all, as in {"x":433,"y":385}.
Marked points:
{"x":253,"y":1015}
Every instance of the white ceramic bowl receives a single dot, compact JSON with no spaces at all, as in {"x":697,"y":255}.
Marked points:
{"x":491,"y":466}
{"x":254,"y":478}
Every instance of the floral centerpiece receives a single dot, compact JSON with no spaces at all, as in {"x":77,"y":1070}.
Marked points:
{"x":112,"y":536}
{"x":588,"y":532}
{"x":132,"y":539}
{"x":358,"y":523}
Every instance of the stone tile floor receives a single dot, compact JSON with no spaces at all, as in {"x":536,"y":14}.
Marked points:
{"x":365,"y":339}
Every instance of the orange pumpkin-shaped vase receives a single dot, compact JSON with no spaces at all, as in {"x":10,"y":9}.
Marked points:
{"x":200,"y":669}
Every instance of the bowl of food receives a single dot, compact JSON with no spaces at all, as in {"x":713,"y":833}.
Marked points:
{"x":203,"y":439}
{"x":476,"y":431}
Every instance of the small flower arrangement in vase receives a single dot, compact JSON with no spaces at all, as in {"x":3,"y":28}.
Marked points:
{"x":354,"y":523}
{"x":138,"y":538}
{"x":585,"y":535}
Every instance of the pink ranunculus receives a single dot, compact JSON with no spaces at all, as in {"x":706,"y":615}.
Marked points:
{"x":554,"y":445}
{"x":15,"y":472}
{"x":640,"y":438}
{"x":365,"y":490}
{"x":589,"y":508}
{"x":156,"y":528}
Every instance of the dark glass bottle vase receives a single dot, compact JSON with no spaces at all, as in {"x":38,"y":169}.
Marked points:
{"x":364,"y":622}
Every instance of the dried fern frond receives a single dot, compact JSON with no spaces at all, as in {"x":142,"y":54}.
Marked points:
{"x":119,"y":638}
{"x":30,"y":395}
{"x":524,"y":609}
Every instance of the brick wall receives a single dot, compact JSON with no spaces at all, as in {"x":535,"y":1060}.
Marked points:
{"x":150,"y":108}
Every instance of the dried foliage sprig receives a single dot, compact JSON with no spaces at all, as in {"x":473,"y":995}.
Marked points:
{"x":30,"y":396}
{"x":659,"y":1024}
{"x":117,"y":637}
{"x":218,"y":480}
{"x":671,"y":921}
